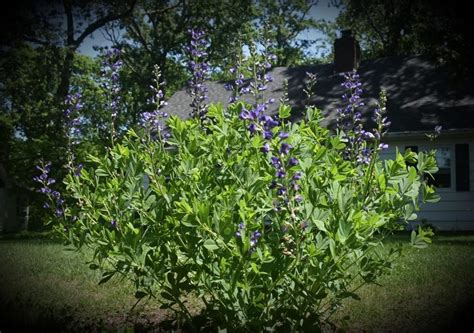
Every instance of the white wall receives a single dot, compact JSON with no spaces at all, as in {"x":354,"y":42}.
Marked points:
{"x":3,"y":209}
{"x":455,"y":210}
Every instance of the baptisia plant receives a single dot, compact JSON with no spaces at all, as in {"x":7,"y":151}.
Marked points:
{"x":268,"y":224}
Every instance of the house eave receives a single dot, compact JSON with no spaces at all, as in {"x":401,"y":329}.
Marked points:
{"x":417,"y":135}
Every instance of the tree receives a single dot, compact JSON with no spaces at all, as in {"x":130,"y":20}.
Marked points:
{"x":282,"y":21}
{"x":63,"y":24}
{"x":157,"y":32}
{"x":402,"y":27}
{"x":31,"y":121}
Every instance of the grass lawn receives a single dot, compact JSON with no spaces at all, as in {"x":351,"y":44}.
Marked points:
{"x":44,"y":287}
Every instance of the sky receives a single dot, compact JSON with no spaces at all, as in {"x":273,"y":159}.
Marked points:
{"x":321,"y":11}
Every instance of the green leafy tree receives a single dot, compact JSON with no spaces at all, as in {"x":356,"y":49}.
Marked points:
{"x":33,"y":123}
{"x":281,"y":22}
{"x":63,"y":24}
{"x":157,"y":33}
{"x":401,"y":27}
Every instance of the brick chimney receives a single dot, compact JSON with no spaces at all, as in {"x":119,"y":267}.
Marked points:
{"x":346,"y":52}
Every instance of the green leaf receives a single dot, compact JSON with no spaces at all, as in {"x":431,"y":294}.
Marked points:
{"x":320,"y":225}
{"x":344,"y":230}
{"x":210,"y":244}
{"x":140,"y":294}
{"x":106,"y":277}
{"x":284,"y":111}
{"x":332,"y":247}
{"x":93,"y":266}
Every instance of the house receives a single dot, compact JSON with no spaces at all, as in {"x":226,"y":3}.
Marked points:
{"x":421,"y":95}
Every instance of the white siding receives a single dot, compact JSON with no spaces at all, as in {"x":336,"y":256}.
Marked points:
{"x":455,"y":210}
{"x":471,"y":165}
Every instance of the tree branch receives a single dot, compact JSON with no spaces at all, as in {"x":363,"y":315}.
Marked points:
{"x":36,"y":40}
{"x":103,"y":21}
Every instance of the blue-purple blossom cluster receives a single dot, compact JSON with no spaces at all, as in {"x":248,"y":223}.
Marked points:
{"x":286,"y":181}
{"x":111,"y":67}
{"x":381,"y":121}
{"x":73,"y":105}
{"x":436,"y":133}
{"x":311,"y":82}
{"x":254,"y":236}
{"x":257,"y":83}
{"x":349,"y":122}
{"x":258,"y":121}
{"x":153,"y":120}
{"x":46,"y":181}
{"x":199,"y":68}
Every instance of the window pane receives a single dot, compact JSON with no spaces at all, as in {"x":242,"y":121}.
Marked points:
{"x":442,"y":178}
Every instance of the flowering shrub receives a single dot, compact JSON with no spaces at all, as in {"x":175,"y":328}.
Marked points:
{"x":270,"y":223}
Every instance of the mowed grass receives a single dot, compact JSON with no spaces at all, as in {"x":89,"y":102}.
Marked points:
{"x":429,"y":290}
{"x":43,"y":286}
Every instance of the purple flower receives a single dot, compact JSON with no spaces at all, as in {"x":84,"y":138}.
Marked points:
{"x":266,"y":148}
{"x":239,"y":229}
{"x":200,"y":72}
{"x":245,"y":90}
{"x":283,"y":135}
{"x":112,"y":66}
{"x":267,"y":134}
{"x":383,"y":146}
{"x":254,"y":238}
{"x":292,"y":162}
{"x":252,"y":128}
{"x":297,"y":176}
{"x":78,"y":170}
{"x":280,"y":173}
{"x":245,"y":115}
{"x":275,"y":161}
{"x":282,"y":190}
{"x":285,"y":148}
{"x":113,"y":224}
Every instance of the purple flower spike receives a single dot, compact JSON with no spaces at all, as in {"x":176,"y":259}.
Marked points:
{"x":200,"y":72}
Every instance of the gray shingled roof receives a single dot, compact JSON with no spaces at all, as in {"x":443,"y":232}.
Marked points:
{"x":420,"y":94}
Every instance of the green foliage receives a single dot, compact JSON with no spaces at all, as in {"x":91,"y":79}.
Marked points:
{"x":401,"y":27}
{"x":166,"y":216}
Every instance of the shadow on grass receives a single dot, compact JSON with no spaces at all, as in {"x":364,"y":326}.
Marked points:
{"x":46,"y":236}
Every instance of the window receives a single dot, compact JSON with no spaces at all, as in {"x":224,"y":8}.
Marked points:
{"x":442,"y":179}
{"x":453,"y":164}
